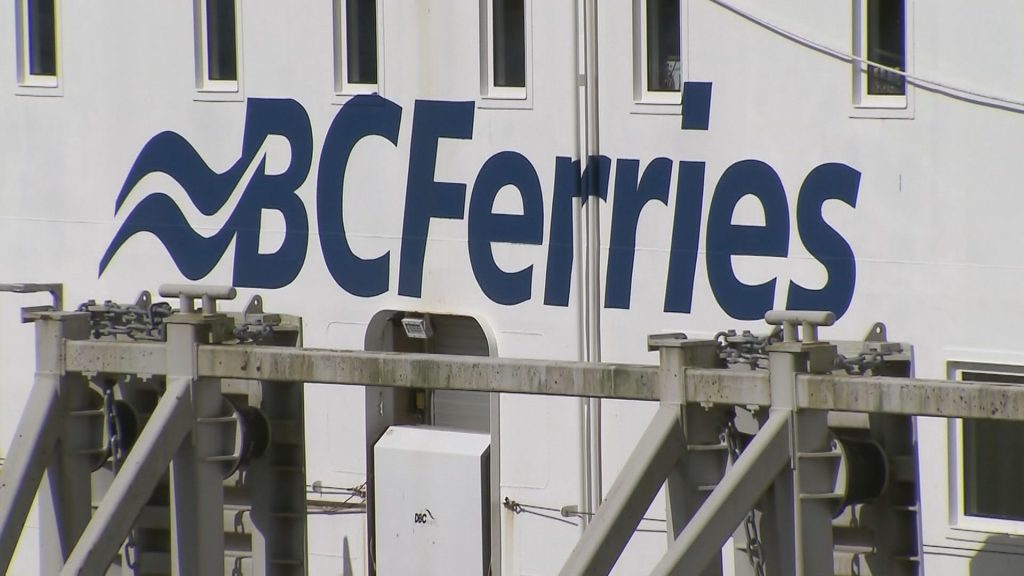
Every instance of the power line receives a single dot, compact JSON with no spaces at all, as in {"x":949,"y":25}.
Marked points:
{"x":961,"y":93}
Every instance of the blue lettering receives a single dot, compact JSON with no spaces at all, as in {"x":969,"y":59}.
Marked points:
{"x":285,"y":118}
{"x":569,"y":185}
{"x":196,"y":254}
{"x":424,"y":197}
{"x":486,"y":227}
{"x":214,"y":193}
{"x":725,"y":239}
{"x":682,"y":262}
{"x":630,"y":198}
{"x":826,"y":182}
{"x":362,"y":116}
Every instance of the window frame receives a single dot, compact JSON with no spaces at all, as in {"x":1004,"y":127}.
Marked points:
{"x":961,"y":522}
{"x":880,"y":105}
{"x":29,"y":83}
{"x":657,"y":101}
{"x":207,"y":88}
{"x":342,"y":86}
{"x":493,"y":96}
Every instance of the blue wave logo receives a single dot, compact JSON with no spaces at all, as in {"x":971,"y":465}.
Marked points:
{"x":242,"y":192}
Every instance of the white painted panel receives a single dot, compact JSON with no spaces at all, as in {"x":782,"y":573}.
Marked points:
{"x":432,"y":502}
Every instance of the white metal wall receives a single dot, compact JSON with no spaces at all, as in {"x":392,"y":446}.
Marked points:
{"x":934,"y":230}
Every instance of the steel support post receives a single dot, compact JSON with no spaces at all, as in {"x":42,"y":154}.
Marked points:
{"x":740,"y":488}
{"x":276,"y":483}
{"x":798,"y":511}
{"x":630,"y":496}
{"x":36,"y":446}
{"x":704,"y":454}
{"x":197,"y":477}
{"x":169,"y":423}
{"x":65,"y":495}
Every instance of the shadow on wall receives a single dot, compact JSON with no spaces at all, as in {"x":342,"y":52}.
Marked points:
{"x":1001,"y":555}
{"x":346,"y":559}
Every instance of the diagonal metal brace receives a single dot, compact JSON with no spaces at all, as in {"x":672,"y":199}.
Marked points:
{"x":170,"y":422}
{"x":740,"y":488}
{"x":34,"y":442}
{"x":634,"y":490}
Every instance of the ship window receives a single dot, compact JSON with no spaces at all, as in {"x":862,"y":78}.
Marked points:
{"x":662,"y":43}
{"x":217,"y":45}
{"x":882,"y":44}
{"x":505,"y":53}
{"x":657,"y":53}
{"x":992,"y":462}
{"x":509,"y":29}
{"x":356,"y":49}
{"x":886,"y":45}
{"x":37,"y":42}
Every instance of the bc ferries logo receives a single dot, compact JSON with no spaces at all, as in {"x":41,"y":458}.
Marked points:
{"x":240,"y":196}
{"x":241,"y":192}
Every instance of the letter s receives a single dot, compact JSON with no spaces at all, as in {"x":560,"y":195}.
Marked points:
{"x":826,"y":182}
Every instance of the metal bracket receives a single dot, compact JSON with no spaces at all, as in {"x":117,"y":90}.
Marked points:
{"x":31,"y":313}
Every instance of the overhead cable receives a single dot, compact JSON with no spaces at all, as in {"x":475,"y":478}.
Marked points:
{"x":958,"y":92}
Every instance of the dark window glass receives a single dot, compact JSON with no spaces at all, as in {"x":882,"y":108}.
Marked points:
{"x":509,"y":21}
{"x":886,"y":46}
{"x":221,"y":55}
{"x":361,"y":41}
{"x":42,"y":38}
{"x":663,"y":63}
{"x":993,"y":461}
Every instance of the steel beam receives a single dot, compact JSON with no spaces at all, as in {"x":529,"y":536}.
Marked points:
{"x":65,"y":495}
{"x":730,"y":501}
{"x":197,"y":488}
{"x":110,"y":357}
{"x":436,"y":371}
{"x":65,"y":501}
{"x":911,"y":397}
{"x":636,"y":486}
{"x":704,"y":456}
{"x":430,"y":370}
{"x":197,"y":478}
{"x":170,"y":422}
{"x":944,"y":398}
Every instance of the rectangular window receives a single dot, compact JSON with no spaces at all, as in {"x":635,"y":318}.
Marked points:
{"x":217,"y":45}
{"x":881,"y":41}
{"x":662,"y":27}
{"x":886,"y":45}
{"x":657,"y":54}
{"x":509,"y":30}
{"x":221,"y":56}
{"x":505,"y":55}
{"x":37,"y":43}
{"x":356,"y":47}
{"x":992,"y":460}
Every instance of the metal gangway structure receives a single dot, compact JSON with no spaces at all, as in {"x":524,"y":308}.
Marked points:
{"x":827,"y":474}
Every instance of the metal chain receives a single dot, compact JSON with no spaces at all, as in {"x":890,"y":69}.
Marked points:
{"x":110,"y":319}
{"x":117,"y":454}
{"x":862,"y":364}
{"x":755,"y":551}
{"x":746,"y":348}
{"x":752,"y":350}
{"x":253,"y":332}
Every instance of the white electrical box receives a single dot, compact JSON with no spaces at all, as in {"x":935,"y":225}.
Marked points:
{"x":431,"y":496}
